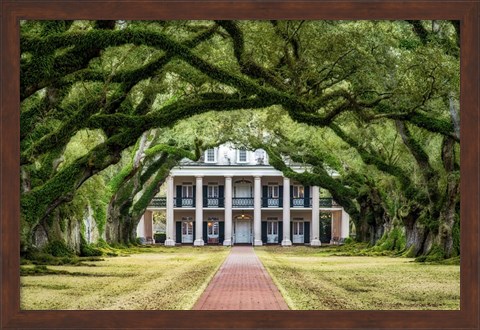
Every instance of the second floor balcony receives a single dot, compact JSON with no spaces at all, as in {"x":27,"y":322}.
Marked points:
{"x":242,"y":202}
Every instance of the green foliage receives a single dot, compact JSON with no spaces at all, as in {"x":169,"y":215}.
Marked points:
{"x":456,"y":237}
{"x":349,"y":240}
{"x":436,"y":254}
{"x":58,"y":248}
{"x":88,"y":250}
{"x":327,"y":94}
{"x":393,"y":240}
{"x":160,"y":237}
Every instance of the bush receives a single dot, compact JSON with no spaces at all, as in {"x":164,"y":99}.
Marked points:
{"x":58,"y":249}
{"x":160,"y":237}
{"x":88,"y":250}
{"x":348,"y":240}
{"x":436,"y":254}
{"x":102,"y":244}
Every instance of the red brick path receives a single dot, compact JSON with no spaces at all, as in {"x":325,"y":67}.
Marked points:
{"x":241,"y":283}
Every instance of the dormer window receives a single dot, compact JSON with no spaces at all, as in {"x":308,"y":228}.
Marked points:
{"x":210,"y":156}
{"x":242,"y":156}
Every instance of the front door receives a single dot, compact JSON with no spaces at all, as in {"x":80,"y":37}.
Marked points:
{"x":272,"y":231}
{"x":298,"y":232}
{"x":243,"y":231}
{"x":187,"y":231}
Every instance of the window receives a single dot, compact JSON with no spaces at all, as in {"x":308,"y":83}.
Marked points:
{"x":272,"y":191}
{"x":187,"y":191}
{"x":212,"y":191}
{"x":272,"y":228}
{"x":212,"y":228}
{"x":242,"y":156}
{"x":298,"y":226}
{"x":210,"y":156}
{"x":187,"y":226}
{"x":298,"y":191}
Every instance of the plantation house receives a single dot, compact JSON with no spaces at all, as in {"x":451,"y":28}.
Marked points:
{"x":232,"y":196}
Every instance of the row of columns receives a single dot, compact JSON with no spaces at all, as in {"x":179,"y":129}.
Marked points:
{"x":257,"y":213}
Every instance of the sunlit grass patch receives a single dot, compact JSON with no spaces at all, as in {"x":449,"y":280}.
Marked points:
{"x":162,"y":278}
{"x":319,"y":279}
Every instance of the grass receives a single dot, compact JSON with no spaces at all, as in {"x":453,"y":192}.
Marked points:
{"x":331,"y":278}
{"x":155,"y":278}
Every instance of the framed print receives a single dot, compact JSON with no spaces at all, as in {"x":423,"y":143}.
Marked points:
{"x":142,"y":69}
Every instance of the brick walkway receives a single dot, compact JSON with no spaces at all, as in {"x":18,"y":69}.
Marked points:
{"x":241,"y":283}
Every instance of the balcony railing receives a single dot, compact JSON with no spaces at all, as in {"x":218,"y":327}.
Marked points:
{"x":213,"y":202}
{"x":239,"y":202}
{"x":158,"y":202}
{"x":184,"y":202}
{"x":242,"y":202}
{"x":271,"y":202}
{"x":300,"y":202}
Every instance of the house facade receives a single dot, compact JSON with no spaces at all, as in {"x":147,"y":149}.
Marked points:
{"x":233,"y":196}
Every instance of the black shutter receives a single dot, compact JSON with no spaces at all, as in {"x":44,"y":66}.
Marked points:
{"x":306,"y":196}
{"x":205,"y":196}
{"x":205,"y":232}
{"x":280,"y":196}
{"x":178,"y":238}
{"x":221,"y":196}
{"x":280,"y":232}
{"x":221,"y":232}
{"x":264,"y":232}
{"x":194,"y":232}
{"x":179,"y":196}
{"x":291,"y":231}
{"x":291,"y":196}
{"x":306,"y":232}
{"x":264,"y":196}
{"x":194,"y":194}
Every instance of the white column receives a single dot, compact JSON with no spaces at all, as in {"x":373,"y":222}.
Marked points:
{"x":345,"y":231}
{"x":170,"y":230}
{"x":228,"y":211}
{"x":199,"y":212}
{"x":286,"y":212}
{"x":257,"y":211}
{"x":141,"y":227}
{"x":315,"y":228}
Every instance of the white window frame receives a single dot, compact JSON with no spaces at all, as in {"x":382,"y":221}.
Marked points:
{"x":272,"y":227}
{"x":212,"y":188}
{"x":213,"y":231}
{"x":271,"y":191}
{"x":296,"y":226}
{"x":238,"y":155}
{"x":296,"y":191}
{"x":189,"y":222}
{"x":214,"y":150}
{"x":189,"y":191}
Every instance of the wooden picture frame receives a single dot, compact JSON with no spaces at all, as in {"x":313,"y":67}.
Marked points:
{"x":14,"y":10}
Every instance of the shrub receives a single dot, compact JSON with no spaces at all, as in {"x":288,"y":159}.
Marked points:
{"x":349,"y":240}
{"x":160,"y":237}
{"x":58,"y":249}
{"x":88,"y":250}
{"x":436,"y":254}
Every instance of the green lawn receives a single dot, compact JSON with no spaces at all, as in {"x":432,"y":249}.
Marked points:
{"x":319,"y":279}
{"x":159,"y":278}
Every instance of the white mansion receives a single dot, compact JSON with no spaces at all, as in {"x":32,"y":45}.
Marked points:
{"x":232,"y":196}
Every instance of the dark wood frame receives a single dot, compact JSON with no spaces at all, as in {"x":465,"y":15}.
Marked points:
{"x":14,"y":10}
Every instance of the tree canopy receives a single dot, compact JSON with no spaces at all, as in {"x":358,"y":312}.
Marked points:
{"x":109,"y":107}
